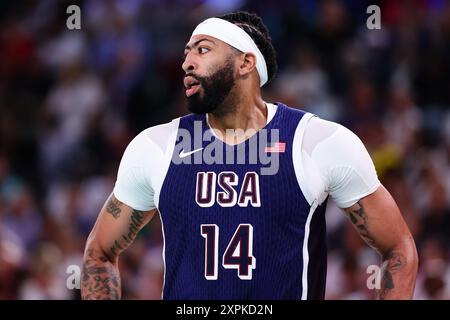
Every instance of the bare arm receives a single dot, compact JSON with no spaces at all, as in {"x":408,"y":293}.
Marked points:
{"x":115,"y":229}
{"x":379,"y":222}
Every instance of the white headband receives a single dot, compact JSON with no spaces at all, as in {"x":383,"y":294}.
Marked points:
{"x":235,"y":37}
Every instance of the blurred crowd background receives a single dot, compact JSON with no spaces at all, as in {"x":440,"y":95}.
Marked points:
{"x":71,"y":100}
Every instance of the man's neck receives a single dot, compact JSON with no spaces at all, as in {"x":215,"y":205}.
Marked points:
{"x":249,"y":115}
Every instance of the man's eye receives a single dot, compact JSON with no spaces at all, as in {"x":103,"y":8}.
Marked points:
{"x":203,"y":50}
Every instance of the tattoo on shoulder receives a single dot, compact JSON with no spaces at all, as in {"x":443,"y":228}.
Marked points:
{"x":113,"y":207}
{"x":358,"y":218}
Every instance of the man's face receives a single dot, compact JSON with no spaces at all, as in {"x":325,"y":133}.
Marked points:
{"x":209,"y":68}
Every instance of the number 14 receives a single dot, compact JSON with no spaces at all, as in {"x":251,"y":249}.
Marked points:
{"x":238,"y":254}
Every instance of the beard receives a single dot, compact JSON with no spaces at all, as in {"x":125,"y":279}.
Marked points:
{"x":216,"y":88}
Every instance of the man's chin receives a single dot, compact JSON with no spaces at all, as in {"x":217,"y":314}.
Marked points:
{"x":196,"y":105}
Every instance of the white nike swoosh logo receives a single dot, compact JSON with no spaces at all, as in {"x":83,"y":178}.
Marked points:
{"x":184,"y":155}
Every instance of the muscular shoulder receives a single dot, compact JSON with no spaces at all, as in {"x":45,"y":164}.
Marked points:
{"x":157,"y":138}
{"x":318,"y":130}
{"x":341,"y":159}
{"x":143,"y":165}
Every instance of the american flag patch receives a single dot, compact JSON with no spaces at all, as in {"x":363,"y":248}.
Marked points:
{"x":277,"y":147}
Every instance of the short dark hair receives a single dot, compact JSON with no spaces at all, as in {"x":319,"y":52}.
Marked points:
{"x":257,"y":30}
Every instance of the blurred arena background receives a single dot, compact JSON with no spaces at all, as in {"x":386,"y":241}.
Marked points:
{"x":71,"y":100}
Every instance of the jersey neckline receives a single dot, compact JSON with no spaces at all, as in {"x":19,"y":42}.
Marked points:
{"x":270,"y":120}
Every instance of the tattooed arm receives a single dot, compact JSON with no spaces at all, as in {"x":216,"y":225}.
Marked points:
{"x":380,"y":223}
{"x":115,"y":229}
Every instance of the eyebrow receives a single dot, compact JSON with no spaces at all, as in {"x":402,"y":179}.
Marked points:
{"x":196,"y":43}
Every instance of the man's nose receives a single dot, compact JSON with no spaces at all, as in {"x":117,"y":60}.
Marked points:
{"x":188,"y":65}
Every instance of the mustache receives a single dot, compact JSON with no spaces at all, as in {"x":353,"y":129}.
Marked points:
{"x":196,"y":77}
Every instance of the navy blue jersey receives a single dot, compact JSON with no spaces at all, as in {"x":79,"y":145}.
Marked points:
{"x":231,"y":232}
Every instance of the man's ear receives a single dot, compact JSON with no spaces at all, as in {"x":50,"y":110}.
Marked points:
{"x":247,"y":64}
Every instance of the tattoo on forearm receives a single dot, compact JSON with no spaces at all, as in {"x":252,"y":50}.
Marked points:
{"x":113,"y":207}
{"x":359,"y":219}
{"x":136,"y":223}
{"x":393,"y":263}
{"x":100,"y":278}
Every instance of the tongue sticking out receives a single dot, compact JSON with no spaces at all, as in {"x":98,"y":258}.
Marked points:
{"x":192,"y":90}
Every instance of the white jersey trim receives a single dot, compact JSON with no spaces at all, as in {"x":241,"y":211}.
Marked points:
{"x":163,"y":163}
{"x":305,"y":251}
{"x":297,"y":158}
{"x":163,"y":256}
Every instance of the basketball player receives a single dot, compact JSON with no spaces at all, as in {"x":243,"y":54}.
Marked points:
{"x":232,"y":230}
